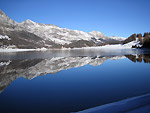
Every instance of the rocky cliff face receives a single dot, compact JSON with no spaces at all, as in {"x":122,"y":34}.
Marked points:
{"x":29,"y":34}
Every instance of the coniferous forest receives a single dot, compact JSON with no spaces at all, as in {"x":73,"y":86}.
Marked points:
{"x":143,"y":39}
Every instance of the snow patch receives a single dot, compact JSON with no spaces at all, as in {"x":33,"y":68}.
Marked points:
{"x":4,"y":37}
{"x":5,"y":63}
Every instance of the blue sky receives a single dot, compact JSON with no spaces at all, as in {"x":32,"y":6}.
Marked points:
{"x":111,"y":17}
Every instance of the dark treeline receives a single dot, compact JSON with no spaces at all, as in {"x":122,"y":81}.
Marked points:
{"x":144,"y":39}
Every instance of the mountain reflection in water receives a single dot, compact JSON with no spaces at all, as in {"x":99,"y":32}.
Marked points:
{"x":10,"y":70}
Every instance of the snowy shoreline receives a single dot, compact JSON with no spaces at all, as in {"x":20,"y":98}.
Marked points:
{"x":25,"y":50}
{"x":106,"y":47}
{"x":22,"y":50}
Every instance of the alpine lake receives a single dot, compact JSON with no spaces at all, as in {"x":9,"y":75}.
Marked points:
{"x":66,"y":81}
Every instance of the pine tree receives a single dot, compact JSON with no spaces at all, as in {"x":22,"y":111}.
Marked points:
{"x":145,"y":34}
{"x":139,"y":35}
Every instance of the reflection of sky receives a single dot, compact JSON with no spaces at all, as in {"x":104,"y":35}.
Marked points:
{"x":78,"y":88}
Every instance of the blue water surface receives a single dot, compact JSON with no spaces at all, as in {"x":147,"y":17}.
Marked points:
{"x":77,"y":88}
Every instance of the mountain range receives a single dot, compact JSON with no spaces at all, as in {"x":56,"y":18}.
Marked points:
{"x":32,"y":35}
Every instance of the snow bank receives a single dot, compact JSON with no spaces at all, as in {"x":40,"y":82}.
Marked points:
{"x":15,"y":50}
{"x":22,"y":50}
{"x":116,"y":46}
{"x":131,"y":105}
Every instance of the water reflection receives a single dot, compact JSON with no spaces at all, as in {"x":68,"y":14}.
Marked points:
{"x":139,"y":58}
{"x":31,"y":68}
{"x":10,"y":70}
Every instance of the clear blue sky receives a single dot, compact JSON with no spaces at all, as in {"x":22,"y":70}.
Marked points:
{"x":111,"y":17}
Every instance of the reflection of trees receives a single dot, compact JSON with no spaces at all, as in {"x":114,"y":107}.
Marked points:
{"x":139,"y":58}
{"x":147,"y":58}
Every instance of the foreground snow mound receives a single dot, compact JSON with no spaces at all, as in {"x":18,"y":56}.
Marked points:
{"x":140,"y":104}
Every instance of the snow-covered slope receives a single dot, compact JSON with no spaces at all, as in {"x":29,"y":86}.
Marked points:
{"x":57,"y":34}
{"x":122,"y":46}
{"x":116,"y":46}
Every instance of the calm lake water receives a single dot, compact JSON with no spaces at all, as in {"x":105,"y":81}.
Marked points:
{"x":64,"y":81}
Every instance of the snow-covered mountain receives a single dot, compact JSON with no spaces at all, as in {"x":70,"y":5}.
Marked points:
{"x":62,"y":35}
{"x":55,"y":33}
{"x":29,"y":34}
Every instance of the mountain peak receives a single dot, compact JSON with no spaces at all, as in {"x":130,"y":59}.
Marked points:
{"x":3,"y":15}
{"x":54,"y":25}
{"x":5,"y":20}
{"x":97,"y":34}
{"x":28,"y":22}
